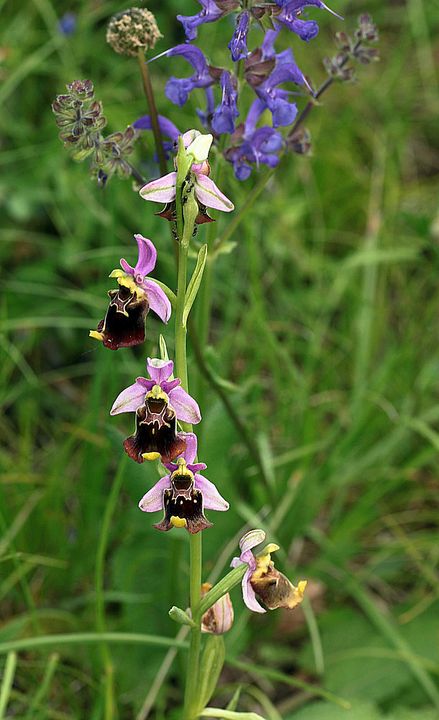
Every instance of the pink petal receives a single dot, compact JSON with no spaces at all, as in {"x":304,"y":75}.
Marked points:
{"x":158,"y":302}
{"x":147,"y":256}
{"x":153,"y":500}
{"x":185,"y":406}
{"x":249,"y":595}
{"x":159,"y":370}
{"x":127,"y":267}
{"x":210,"y":195}
{"x":236,"y":562}
{"x":161,"y":190}
{"x":129,"y":399}
{"x":251,"y":539}
{"x":212,"y":499}
{"x":191,"y":447}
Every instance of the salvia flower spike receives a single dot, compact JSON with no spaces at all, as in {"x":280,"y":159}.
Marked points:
{"x":261,"y":578}
{"x":184,"y":493}
{"x":124,"y":321}
{"x":158,"y":402}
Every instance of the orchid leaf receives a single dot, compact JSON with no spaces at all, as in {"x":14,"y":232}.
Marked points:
{"x":212,"y":662}
{"x":195,"y":281}
{"x":233,"y":704}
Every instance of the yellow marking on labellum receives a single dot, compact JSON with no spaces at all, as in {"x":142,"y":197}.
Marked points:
{"x":182,"y":470}
{"x":96,"y":335}
{"x":263,"y":561}
{"x":127,"y":281}
{"x":156,"y":393}
{"x":151,"y":456}
{"x":177,"y":522}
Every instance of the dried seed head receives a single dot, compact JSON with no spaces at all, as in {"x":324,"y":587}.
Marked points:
{"x":132,"y":30}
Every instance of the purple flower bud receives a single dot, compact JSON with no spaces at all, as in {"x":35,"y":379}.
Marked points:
{"x":67,"y":23}
{"x":223,"y":120}
{"x":238,"y":43}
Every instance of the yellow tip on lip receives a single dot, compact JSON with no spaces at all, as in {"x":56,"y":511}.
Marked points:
{"x":301,"y":586}
{"x":177,"y":522}
{"x":151,"y":456}
{"x":96,"y":335}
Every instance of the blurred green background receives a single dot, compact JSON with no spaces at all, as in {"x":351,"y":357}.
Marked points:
{"x":324,"y":327}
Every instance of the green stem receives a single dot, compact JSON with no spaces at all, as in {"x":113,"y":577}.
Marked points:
{"x":149,"y":94}
{"x":193,"y":668}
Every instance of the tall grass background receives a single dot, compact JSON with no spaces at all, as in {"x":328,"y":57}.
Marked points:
{"x":324,"y":340}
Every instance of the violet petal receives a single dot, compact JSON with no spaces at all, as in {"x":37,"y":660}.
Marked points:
{"x":185,"y":406}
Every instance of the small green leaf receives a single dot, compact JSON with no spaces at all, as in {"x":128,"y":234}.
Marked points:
{"x":180,"y":616}
{"x":195,"y":281}
{"x":229,"y":715}
{"x":163,"y":348}
{"x":212,"y":662}
{"x":233,"y":704}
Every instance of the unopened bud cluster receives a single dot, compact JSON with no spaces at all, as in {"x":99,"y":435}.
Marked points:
{"x":133,"y":30}
{"x":353,"y":48}
{"x":80,"y":117}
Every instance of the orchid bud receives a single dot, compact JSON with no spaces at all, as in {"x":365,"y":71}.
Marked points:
{"x":219,"y":618}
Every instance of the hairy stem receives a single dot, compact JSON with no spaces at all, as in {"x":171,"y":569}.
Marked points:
{"x":149,"y":94}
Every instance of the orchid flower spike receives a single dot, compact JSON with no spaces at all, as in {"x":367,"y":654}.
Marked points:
{"x":184,"y":493}
{"x":124,"y":321}
{"x":207,"y":194}
{"x":158,"y":402}
{"x":261,"y":578}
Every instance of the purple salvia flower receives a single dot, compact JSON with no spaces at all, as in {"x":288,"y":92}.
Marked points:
{"x":289,"y":16}
{"x":167,"y":129}
{"x":209,"y":13}
{"x":238,"y":43}
{"x":258,"y":146}
{"x":158,"y":402}
{"x":206,"y":115}
{"x":285,"y":70}
{"x":178,"y":89}
{"x":124,"y":322}
{"x":262,"y":579}
{"x":67,"y":23}
{"x":223,"y":120}
{"x":184,"y":492}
